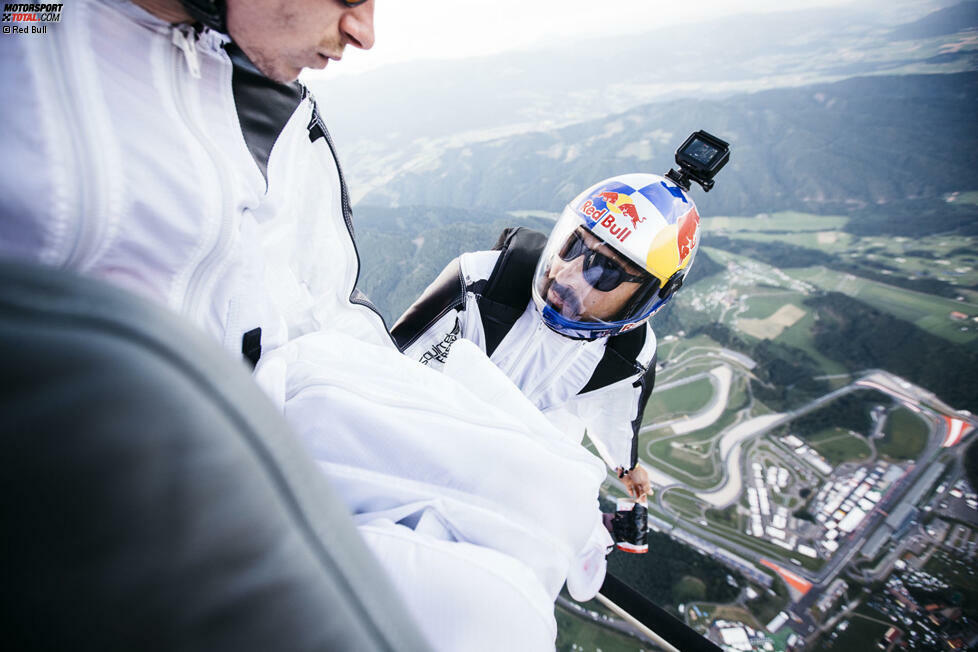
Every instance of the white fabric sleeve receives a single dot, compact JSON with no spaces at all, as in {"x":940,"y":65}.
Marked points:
{"x":461,"y":317}
{"x":433,"y":345}
{"x":607,"y":414}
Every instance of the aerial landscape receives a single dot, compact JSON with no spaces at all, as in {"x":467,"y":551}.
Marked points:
{"x":811,"y":435}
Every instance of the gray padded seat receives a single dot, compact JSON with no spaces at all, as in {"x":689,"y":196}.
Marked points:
{"x":153,"y":498}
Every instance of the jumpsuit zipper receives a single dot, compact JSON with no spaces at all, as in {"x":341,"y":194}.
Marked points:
{"x":356,"y":297}
{"x":184,"y":38}
{"x":555,"y":371}
{"x":94,"y":218}
{"x":565,"y":361}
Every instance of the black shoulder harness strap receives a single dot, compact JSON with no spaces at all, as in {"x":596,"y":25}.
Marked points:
{"x":507,"y":290}
{"x":447,"y":292}
{"x":619,"y":360}
{"x":646,"y":381}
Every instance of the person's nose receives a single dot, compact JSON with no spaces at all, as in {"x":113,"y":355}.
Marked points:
{"x":357,"y":25}
{"x":570,"y":273}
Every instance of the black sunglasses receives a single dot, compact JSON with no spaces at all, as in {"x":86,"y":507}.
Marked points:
{"x":601,"y":272}
{"x":353,"y":3}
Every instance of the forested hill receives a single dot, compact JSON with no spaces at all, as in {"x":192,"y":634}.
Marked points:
{"x":825,"y":148}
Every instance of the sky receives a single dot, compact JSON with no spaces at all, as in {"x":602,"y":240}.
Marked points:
{"x":408,"y":30}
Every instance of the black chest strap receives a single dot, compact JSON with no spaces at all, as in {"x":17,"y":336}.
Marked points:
{"x":620,"y":360}
{"x":506,"y":292}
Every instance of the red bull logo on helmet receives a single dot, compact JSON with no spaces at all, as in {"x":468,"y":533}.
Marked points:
{"x":689,"y":225}
{"x":606,"y":219}
{"x":629,"y":210}
{"x":592,"y":212}
{"x":622,"y":204}
{"x":612,"y":207}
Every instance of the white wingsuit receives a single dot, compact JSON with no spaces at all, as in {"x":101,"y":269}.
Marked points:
{"x":135,"y":152}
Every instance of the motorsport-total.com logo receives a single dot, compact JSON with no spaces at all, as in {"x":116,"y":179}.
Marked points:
{"x":28,"y":17}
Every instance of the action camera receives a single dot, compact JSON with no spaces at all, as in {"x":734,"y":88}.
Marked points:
{"x":699,"y":159}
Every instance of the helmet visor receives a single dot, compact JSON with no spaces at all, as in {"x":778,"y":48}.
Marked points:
{"x":602,"y":271}
{"x":586,"y":286}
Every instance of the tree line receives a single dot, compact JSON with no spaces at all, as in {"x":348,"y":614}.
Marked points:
{"x":849,"y":331}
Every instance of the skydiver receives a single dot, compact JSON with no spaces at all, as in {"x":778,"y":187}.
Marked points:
{"x":566,"y":317}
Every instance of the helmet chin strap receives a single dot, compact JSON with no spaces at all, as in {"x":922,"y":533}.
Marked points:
{"x":211,"y":13}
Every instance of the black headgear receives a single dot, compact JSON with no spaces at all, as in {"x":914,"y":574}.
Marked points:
{"x":210,"y":13}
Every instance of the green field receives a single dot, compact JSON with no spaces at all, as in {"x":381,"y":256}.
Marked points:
{"x":727,"y":516}
{"x":670,"y":403}
{"x":784,"y":221}
{"x":938,"y":258}
{"x":669,"y":349}
{"x":929,"y":312}
{"x":837,"y":446}
{"x":826,"y":239}
{"x":578,"y":634}
{"x":683,"y":502}
{"x":675,"y":457}
{"x":799,"y":335}
{"x":950,"y":259}
{"x":862,"y":633}
{"x":738,"y":398}
{"x":685,"y":458}
{"x":689,"y":588}
{"x":689,"y":367}
{"x":764,"y":302}
{"x":905,"y":435}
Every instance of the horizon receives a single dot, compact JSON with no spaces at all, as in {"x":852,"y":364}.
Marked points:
{"x":553,"y":22}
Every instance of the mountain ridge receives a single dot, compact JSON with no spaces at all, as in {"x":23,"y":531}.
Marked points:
{"x":821,"y":148}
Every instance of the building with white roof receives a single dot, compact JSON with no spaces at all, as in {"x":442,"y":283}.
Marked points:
{"x":852,"y":520}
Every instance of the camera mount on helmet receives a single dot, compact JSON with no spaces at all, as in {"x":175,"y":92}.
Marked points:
{"x":699,"y":159}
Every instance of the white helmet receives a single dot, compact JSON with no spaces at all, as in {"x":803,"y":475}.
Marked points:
{"x":618,"y":253}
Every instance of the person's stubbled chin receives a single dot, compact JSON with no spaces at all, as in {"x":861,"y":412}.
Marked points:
{"x":564,"y":300}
